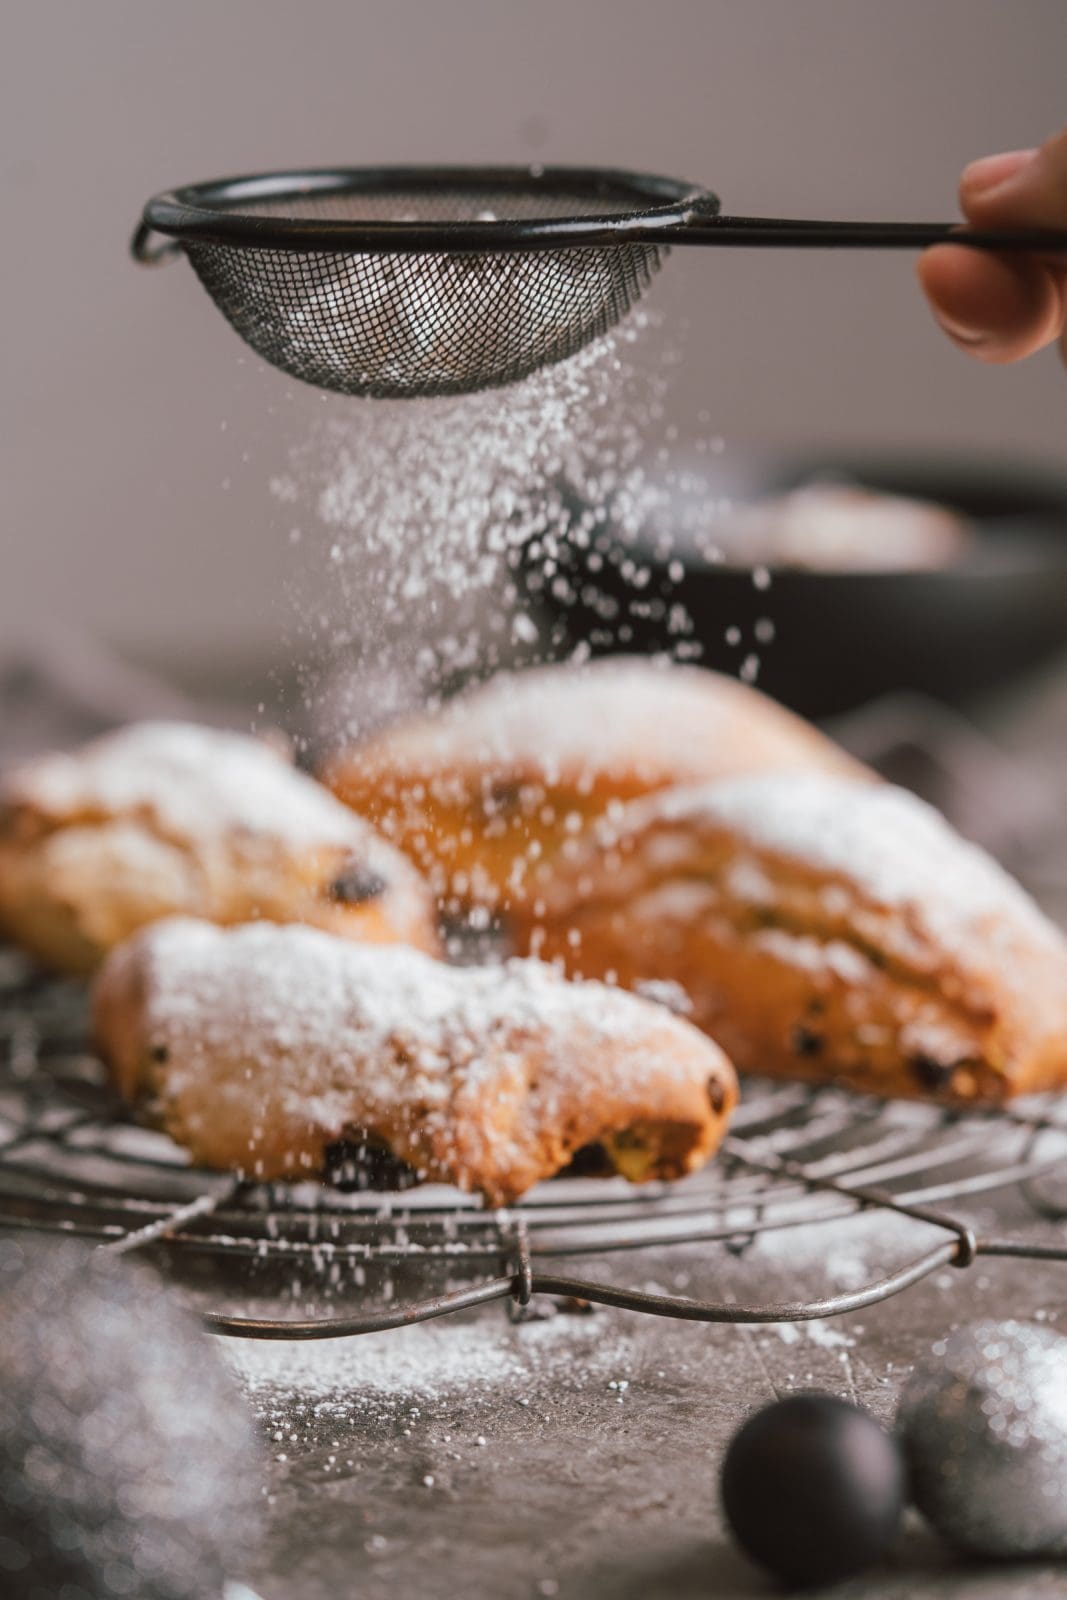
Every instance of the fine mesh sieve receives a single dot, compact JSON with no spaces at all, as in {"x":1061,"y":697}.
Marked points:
{"x":411,"y":281}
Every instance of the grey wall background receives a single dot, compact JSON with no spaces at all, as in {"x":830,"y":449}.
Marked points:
{"x":137,"y":441}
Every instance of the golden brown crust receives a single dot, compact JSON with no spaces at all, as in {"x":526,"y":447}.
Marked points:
{"x":821,"y":929}
{"x":485,"y":790}
{"x":258,"y":1047}
{"x":165,"y":818}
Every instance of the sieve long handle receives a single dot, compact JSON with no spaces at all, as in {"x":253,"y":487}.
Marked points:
{"x":781,"y":232}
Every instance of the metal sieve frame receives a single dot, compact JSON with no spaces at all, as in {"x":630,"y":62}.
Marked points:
{"x":204,"y":212}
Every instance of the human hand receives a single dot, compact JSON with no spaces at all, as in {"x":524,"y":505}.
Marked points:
{"x":1002,"y":308}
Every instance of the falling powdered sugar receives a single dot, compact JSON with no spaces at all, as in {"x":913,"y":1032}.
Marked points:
{"x":446,"y":529}
{"x":454,"y":485}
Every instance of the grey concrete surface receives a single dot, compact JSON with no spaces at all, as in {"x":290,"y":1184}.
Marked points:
{"x":547,"y":1479}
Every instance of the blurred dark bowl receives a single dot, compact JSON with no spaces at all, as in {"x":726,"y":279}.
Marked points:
{"x":841,"y":638}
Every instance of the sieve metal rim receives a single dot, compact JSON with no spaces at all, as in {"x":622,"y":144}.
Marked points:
{"x":205,"y":213}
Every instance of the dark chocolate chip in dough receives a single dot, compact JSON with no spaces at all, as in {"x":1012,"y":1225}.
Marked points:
{"x":933,"y":1075}
{"x":716,"y":1095}
{"x":502,"y":795}
{"x":590,"y":1161}
{"x":359,"y":1164}
{"x":357,"y":884}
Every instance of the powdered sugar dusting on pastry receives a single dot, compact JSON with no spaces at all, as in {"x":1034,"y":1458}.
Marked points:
{"x":896,"y":848}
{"x":653,"y":716}
{"x":192,"y":780}
{"x":269,"y":1043}
{"x":822,"y":928}
{"x":815,"y":955}
{"x":297,"y":986}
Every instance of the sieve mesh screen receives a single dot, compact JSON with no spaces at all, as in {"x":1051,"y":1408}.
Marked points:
{"x":398,"y":325}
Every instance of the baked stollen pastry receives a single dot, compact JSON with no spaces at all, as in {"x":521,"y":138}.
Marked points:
{"x":824,"y":929}
{"x":491,"y":785}
{"x":165,"y":817}
{"x":842,"y":527}
{"x":257,"y":1048}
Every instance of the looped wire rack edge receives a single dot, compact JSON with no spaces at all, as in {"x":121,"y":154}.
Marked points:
{"x":796,"y":1158}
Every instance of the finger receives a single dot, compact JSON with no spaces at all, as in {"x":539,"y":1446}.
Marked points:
{"x":1021,"y":189}
{"x":986,"y":175}
{"x":997,"y":308}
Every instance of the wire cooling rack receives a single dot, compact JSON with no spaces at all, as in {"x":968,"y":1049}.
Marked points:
{"x":71,"y":1161}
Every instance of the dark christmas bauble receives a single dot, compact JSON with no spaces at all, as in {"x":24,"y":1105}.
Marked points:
{"x":813,"y":1489}
{"x":128,"y":1465}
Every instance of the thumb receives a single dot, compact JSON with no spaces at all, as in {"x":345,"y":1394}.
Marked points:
{"x":1002,"y":308}
{"x":1022,"y":189}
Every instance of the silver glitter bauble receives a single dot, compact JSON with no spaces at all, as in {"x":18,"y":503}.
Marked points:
{"x":984,"y":1428}
{"x":128,"y":1464}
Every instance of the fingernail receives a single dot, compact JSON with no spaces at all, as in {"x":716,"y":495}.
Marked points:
{"x":973,"y":338}
{"x":991,"y":171}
